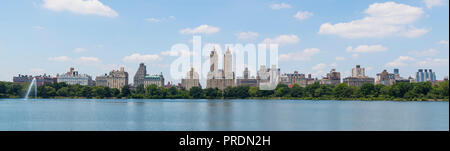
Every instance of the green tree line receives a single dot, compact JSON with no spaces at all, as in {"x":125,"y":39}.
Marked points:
{"x":368,"y":91}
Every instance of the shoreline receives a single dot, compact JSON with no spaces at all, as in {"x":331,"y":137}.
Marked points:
{"x":225,"y":99}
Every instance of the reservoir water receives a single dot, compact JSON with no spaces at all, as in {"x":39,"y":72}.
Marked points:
{"x":273,"y":115}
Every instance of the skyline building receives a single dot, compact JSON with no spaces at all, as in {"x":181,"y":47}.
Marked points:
{"x":40,"y":79}
{"x":191,"y":80}
{"x":157,"y":80}
{"x":358,"y":77}
{"x":116,"y":79}
{"x":386,"y":78}
{"x":218,"y":78}
{"x":332,"y":78}
{"x":73,"y":77}
{"x":269,"y":78}
{"x":425,"y":75}
{"x":139,"y":77}
{"x":247,"y":80}
{"x":142,"y":78}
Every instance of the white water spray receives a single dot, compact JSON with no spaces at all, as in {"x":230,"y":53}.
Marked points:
{"x":33,"y":82}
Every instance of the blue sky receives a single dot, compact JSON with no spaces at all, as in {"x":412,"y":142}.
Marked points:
{"x":96,"y":36}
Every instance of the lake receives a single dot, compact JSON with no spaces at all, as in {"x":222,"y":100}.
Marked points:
{"x":296,"y":115}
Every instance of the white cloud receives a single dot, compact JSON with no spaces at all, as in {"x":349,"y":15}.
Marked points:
{"x":319,"y":69}
{"x":384,"y":19}
{"x":282,"y":39}
{"x":430,"y":62}
{"x":443,"y":42}
{"x":89,"y":59}
{"x":177,"y":53}
{"x":366,"y":49}
{"x":86,"y":7}
{"x":60,"y":59}
{"x":157,"y":20}
{"x":136,"y":57}
{"x":302,"y":15}
{"x":432,"y":3}
{"x":340,"y":58}
{"x":319,"y":66}
{"x":304,"y":55}
{"x":153,"y":20}
{"x":247,"y":35}
{"x":38,"y":28}
{"x":202,"y":29}
{"x":355,"y":56}
{"x":79,"y":50}
{"x":413,"y":32}
{"x":401,"y":61}
{"x":429,"y":52}
{"x":280,"y":6}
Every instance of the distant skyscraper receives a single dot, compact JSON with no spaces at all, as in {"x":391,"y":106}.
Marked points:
{"x":358,"y":77}
{"x":220,"y":78}
{"x":140,"y":75}
{"x":358,"y":71}
{"x":396,"y":71}
{"x":424,"y":75}
{"x":228,"y":65}
{"x":142,"y":78}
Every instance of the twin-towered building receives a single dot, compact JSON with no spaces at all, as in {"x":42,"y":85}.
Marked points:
{"x":220,"y":78}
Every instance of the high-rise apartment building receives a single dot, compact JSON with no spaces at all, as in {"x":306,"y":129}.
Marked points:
{"x":424,"y":75}
{"x":140,"y":75}
{"x":220,"y":78}
{"x":142,"y":78}
{"x":358,"y":77}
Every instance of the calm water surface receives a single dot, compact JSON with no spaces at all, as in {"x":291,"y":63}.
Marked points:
{"x":69,"y":114}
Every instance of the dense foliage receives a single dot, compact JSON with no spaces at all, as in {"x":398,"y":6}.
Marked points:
{"x":398,"y":91}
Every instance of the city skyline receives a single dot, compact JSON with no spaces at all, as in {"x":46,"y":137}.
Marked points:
{"x":48,"y":37}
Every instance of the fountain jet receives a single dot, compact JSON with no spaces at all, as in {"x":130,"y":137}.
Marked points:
{"x":33,"y":82}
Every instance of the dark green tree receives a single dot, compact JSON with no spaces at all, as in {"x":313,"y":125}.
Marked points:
{"x":126,"y":92}
{"x":366,"y":89}
{"x":64,"y":92}
{"x":196,"y":92}
{"x":342,"y":90}
{"x":282,"y":90}
{"x":297,"y":91}
{"x":140,"y":89}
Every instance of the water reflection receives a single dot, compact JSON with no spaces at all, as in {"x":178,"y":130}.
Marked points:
{"x":221,"y":115}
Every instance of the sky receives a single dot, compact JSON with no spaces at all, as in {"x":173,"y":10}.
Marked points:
{"x":97,"y":36}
